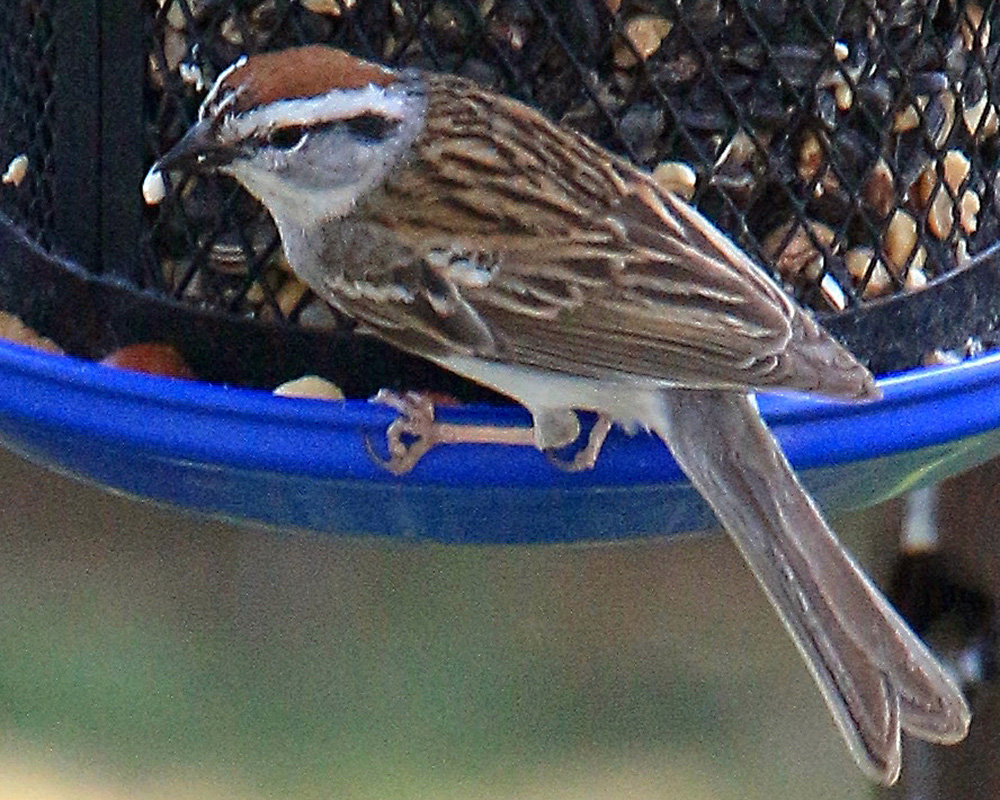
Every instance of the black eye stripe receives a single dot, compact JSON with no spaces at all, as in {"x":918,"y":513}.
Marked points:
{"x":370,"y":127}
{"x":287,"y":137}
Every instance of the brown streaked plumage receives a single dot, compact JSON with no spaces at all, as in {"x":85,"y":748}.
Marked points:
{"x":643,"y":287}
{"x":466,"y":228}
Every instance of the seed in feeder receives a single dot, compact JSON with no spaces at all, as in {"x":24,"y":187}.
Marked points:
{"x":645,"y":34}
{"x":154,"y":189}
{"x":175,"y":16}
{"x":226,"y":256}
{"x":973,"y":29}
{"x":311,"y":387}
{"x":961,"y":252}
{"x":941,"y":214}
{"x":798,"y":253}
{"x":737,"y":152}
{"x":832,"y":293}
{"x":940,"y":117}
{"x":923,"y":187}
{"x":916,"y":279}
{"x":231,"y":32}
{"x":900,"y":239}
{"x":841,"y":51}
{"x":939,"y":357}
{"x":676,"y":177}
{"x":153,"y":358}
{"x":810,"y":157}
{"x":13,"y":329}
{"x":290,"y":295}
{"x":956,"y":169}
{"x":512,"y":32}
{"x":954,"y":165}
{"x":992,"y":124}
{"x":879,"y":191}
{"x":928,"y":190}
{"x":174,"y":50}
{"x":255,"y":294}
{"x":842,"y":94}
{"x":332,"y":8}
{"x":972,"y":116}
{"x":17,"y":170}
{"x":906,"y":119}
{"x":968,"y":211}
{"x":879,"y":282}
{"x":858,"y":260}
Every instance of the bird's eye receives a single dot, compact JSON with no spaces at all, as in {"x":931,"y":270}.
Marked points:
{"x":286,"y":138}
{"x":371,"y":126}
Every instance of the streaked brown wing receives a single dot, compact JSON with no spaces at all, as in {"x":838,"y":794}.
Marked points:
{"x":676,"y":302}
{"x":574,"y":261}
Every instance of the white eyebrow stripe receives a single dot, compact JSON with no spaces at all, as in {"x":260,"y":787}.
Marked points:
{"x":214,"y":91}
{"x":330,"y":107}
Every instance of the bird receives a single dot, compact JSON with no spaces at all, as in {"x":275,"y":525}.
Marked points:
{"x":465,"y":227}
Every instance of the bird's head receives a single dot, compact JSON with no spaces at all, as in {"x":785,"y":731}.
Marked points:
{"x":307,"y":131}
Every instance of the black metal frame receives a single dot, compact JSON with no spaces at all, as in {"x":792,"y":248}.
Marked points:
{"x":98,"y":152}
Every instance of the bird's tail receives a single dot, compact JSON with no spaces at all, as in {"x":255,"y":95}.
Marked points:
{"x":875,"y":674}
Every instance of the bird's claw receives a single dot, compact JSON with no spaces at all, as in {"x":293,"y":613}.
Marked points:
{"x":410,"y":435}
{"x":586,"y":457}
{"x":415,"y":431}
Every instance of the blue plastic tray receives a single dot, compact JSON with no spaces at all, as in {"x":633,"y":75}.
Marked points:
{"x":244,"y":454}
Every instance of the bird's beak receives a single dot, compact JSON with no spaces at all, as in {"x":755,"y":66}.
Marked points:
{"x":198,"y":150}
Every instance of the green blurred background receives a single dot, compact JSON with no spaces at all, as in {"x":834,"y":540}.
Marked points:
{"x":148,"y":654}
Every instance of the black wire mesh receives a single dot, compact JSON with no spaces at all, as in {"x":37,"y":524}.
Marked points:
{"x":27,"y":55}
{"x":850,"y":146}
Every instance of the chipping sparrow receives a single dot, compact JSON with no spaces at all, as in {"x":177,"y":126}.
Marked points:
{"x":466,"y":228}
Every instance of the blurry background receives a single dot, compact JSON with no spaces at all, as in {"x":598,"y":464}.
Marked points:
{"x":147,"y":654}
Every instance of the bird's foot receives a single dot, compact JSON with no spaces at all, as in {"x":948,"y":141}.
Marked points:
{"x":410,"y":435}
{"x":415,"y":431}
{"x":586,"y":457}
